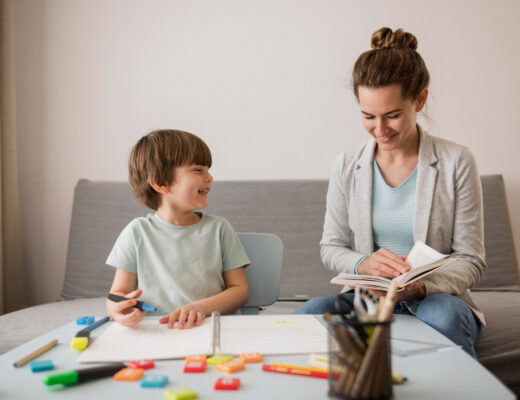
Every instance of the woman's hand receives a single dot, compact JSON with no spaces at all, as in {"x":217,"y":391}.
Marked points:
{"x":413,"y":291}
{"x":186,"y":316}
{"x":383,"y":262}
{"x":123,"y":312}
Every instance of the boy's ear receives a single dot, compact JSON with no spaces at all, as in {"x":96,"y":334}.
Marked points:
{"x":163,"y":189}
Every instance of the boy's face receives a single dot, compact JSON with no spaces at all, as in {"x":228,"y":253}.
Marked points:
{"x":190,"y":188}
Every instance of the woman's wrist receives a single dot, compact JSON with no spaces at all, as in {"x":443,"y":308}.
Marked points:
{"x":356,"y":267}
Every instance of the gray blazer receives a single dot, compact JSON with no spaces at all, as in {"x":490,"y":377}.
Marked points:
{"x":448,"y":214}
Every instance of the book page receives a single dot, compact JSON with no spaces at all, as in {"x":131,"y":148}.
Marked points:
{"x":422,"y":254}
{"x":420,"y":272}
{"x":367,"y":281}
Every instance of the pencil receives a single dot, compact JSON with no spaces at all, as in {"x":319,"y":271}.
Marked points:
{"x":36,"y":353}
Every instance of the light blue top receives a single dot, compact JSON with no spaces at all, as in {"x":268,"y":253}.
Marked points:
{"x":392,"y":213}
{"x":177,"y":265}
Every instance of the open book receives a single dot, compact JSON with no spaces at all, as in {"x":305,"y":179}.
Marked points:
{"x":422,"y":259}
{"x":230,"y":334}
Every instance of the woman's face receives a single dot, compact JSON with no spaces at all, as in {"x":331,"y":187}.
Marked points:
{"x":387,"y":117}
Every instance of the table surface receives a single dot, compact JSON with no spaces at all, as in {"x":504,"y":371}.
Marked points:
{"x":448,"y":373}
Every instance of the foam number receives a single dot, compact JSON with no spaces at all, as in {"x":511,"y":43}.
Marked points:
{"x":129,"y":374}
{"x":226,"y":383}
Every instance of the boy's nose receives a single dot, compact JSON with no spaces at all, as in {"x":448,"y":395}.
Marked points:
{"x":209,"y":177}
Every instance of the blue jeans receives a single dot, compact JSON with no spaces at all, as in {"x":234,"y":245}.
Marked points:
{"x":443,"y":312}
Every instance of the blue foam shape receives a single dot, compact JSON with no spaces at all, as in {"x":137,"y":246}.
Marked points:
{"x":154,"y":381}
{"x":41,"y":365}
{"x":85,"y":320}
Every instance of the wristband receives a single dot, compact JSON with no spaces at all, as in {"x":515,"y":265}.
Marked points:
{"x":357,"y":265}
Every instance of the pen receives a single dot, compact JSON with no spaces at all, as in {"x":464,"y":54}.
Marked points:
{"x":35,"y":353}
{"x":72,"y":377}
{"x":294,"y":371}
{"x":141,"y":305}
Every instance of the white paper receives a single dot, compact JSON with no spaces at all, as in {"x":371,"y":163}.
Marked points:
{"x":266,"y":334}
{"x":421,"y":254}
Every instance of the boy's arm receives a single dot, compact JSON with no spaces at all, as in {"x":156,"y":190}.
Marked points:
{"x":229,"y":300}
{"x":124,"y":284}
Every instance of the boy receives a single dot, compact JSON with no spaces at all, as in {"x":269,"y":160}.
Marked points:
{"x":186,"y":263}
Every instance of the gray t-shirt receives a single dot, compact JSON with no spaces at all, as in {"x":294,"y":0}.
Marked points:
{"x":177,"y":265}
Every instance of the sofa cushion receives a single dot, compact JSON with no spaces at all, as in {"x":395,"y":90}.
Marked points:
{"x":498,"y":236}
{"x":99,"y":213}
{"x":499,"y":346}
{"x":294,"y":210}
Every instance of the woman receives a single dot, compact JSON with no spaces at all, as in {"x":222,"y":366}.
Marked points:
{"x":402,"y":186}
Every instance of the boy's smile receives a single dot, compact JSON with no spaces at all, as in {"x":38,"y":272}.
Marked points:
{"x":188,"y":193}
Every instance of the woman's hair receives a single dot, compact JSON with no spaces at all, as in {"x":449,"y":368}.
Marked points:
{"x":155,"y":156}
{"x":393,"y":59}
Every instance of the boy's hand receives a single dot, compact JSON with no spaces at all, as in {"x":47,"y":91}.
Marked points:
{"x":123,"y":312}
{"x":186,"y":316}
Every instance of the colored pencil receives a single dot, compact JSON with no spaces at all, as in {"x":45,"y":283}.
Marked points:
{"x":36,"y":353}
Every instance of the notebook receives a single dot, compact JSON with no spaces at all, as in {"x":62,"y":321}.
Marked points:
{"x":231,"y":334}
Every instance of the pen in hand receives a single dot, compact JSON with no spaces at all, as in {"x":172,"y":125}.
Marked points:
{"x":141,"y":305}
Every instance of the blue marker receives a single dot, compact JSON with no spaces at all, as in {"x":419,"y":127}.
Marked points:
{"x":141,"y":305}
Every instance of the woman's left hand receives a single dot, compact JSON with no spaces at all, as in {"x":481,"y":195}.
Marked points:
{"x":413,"y":291}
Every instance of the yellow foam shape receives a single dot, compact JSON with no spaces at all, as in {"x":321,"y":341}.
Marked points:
{"x":79,"y":343}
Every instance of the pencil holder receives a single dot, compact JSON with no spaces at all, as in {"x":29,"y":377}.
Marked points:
{"x":359,"y":359}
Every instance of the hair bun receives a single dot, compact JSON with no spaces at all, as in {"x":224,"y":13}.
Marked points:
{"x":385,"y":38}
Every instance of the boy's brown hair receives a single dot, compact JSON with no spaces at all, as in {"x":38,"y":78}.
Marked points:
{"x":155,"y":156}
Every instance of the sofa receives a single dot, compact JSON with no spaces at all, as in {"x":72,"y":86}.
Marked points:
{"x":293,"y":210}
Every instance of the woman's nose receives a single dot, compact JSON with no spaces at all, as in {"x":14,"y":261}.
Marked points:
{"x":380,"y":127}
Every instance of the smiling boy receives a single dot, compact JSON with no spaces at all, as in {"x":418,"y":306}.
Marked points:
{"x":185,"y":262}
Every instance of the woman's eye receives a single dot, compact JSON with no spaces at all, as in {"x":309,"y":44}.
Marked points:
{"x":369,"y":117}
{"x":394,"y":116}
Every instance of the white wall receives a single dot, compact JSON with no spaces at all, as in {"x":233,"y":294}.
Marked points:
{"x":265,"y":83}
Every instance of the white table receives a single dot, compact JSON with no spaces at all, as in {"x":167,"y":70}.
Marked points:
{"x":435,"y":375}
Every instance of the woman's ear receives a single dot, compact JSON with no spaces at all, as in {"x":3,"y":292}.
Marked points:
{"x":421,"y":100}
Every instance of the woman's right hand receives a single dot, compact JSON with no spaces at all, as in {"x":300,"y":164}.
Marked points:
{"x":383,"y":262}
{"x":123,"y":312}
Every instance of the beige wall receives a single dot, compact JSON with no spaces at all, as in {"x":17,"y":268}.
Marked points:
{"x":265,"y":83}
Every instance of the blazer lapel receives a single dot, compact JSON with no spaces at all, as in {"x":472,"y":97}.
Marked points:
{"x":426,"y":178}
{"x":363,"y":199}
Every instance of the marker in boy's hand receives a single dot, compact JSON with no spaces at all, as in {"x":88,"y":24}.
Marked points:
{"x":124,"y":311}
{"x":186,"y":316}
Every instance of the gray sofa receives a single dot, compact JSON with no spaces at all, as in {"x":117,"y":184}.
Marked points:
{"x":294,"y":211}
